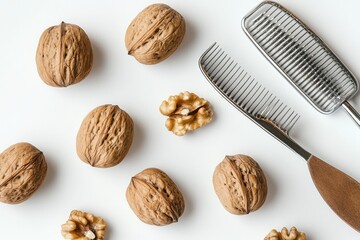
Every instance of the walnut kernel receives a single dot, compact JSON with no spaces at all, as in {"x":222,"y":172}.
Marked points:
{"x":240,"y":184}
{"x":285,"y":235}
{"x":155,"y":34}
{"x":22,"y":170}
{"x":64,"y":55}
{"x":83,"y":226}
{"x":155,"y":198}
{"x":186,"y":112}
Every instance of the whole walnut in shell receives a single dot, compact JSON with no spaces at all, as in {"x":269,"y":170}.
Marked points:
{"x":155,"y":34}
{"x":105,"y":136}
{"x":155,"y":198}
{"x":64,"y":55}
{"x":240,"y":184}
{"x":22,"y":171}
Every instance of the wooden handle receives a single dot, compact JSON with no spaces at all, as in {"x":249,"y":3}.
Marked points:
{"x":340,"y":191}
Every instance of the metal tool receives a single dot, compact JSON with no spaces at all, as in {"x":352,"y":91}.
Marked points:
{"x":302,"y":57}
{"x":340,"y":191}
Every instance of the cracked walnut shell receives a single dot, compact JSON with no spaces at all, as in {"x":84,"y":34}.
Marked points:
{"x":286,"y":235}
{"x":240,"y":184}
{"x":155,"y":198}
{"x":105,"y":136}
{"x":64,"y":55}
{"x":83,"y":226}
{"x":22,"y":171}
{"x":154,"y":34}
{"x":186,"y":112}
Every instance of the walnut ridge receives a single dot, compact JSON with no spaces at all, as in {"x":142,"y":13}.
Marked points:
{"x":64,"y":55}
{"x":155,"y":198}
{"x":22,"y":171}
{"x":240,"y":184}
{"x":186,"y":112}
{"x":105,"y":136}
{"x":83,"y":226}
{"x":155,"y":34}
{"x":286,"y":235}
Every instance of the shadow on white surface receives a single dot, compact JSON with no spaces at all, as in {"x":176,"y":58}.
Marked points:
{"x":138,"y":142}
{"x":99,"y":59}
{"x":271,"y":190}
{"x":47,"y":186}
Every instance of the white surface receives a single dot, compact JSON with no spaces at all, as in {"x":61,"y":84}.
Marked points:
{"x":50,"y":117}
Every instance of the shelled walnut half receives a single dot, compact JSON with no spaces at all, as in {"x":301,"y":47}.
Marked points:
{"x":83,"y":226}
{"x":186,"y":112}
{"x":286,"y":235}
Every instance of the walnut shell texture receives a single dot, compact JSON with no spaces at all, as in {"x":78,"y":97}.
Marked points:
{"x":105,"y":136}
{"x":22,"y":171}
{"x":240,"y":184}
{"x":155,"y":34}
{"x":155,"y":198}
{"x":64,"y":55}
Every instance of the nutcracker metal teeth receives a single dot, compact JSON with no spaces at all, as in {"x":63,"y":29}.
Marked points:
{"x":263,"y":108}
{"x":302,"y":58}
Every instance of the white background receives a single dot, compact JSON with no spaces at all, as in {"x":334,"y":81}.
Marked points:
{"x":49,"y":118}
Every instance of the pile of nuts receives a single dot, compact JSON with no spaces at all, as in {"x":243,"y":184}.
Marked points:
{"x":64,"y":57}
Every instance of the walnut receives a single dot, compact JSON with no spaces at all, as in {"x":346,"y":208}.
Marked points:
{"x":186,"y":112}
{"x":240,"y":184}
{"x":22,"y":171}
{"x":83,"y":226}
{"x":155,"y":198}
{"x":64,"y":55}
{"x":155,"y":34}
{"x":105,"y":136}
{"x":285,"y":235}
